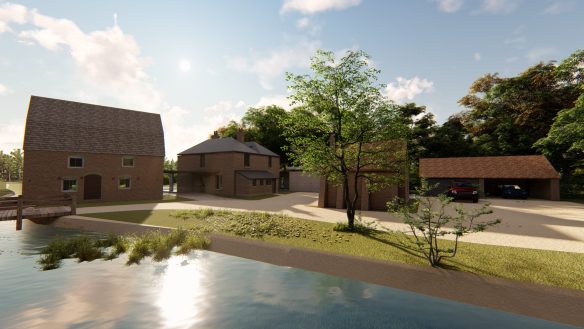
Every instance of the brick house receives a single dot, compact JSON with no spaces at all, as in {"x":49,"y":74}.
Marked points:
{"x":331,"y":195}
{"x":228,"y":167}
{"x":90,"y":151}
{"x":533,"y":173}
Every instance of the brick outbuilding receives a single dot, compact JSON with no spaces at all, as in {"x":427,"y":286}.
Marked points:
{"x":93,"y":152}
{"x":533,"y":173}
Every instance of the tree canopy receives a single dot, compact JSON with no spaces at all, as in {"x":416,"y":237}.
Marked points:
{"x":345,"y":125}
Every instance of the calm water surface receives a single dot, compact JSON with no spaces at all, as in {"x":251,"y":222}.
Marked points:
{"x":209,"y":290}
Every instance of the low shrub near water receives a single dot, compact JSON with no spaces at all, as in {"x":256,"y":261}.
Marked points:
{"x":157,"y":244}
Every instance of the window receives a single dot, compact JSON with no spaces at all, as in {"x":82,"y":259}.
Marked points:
{"x":254,"y":182}
{"x":127,"y":162}
{"x":261,"y":182}
{"x":124,"y":183}
{"x":246,"y":160}
{"x":75,"y":162}
{"x":219,"y":182}
{"x":202,"y":161}
{"x":270,"y":162}
{"x":69,"y":185}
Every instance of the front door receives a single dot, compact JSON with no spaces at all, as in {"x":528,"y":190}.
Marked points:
{"x":92,"y":187}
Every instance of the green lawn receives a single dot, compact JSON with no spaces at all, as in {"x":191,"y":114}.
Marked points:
{"x":6,"y":192}
{"x":561,"y":269}
{"x":165,"y":198}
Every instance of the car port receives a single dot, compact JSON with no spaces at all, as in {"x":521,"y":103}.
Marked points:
{"x":533,"y":173}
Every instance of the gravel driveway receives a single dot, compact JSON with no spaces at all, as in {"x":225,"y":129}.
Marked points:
{"x":540,"y":224}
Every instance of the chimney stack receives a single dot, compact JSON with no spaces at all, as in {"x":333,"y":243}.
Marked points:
{"x":240,"y":135}
{"x":215,"y":135}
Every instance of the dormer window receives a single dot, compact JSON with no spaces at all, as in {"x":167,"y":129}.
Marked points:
{"x":75,"y":162}
{"x":127,"y":162}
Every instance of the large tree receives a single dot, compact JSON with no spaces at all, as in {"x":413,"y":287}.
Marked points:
{"x":565,"y":144}
{"x":451,"y":139}
{"x":345,"y":125}
{"x":421,"y":127}
{"x":508,"y":115}
{"x":264,"y":125}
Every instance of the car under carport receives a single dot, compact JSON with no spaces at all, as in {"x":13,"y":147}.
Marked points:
{"x":533,"y":173}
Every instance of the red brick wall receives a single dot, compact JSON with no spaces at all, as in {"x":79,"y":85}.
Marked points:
{"x":224,"y":164}
{"x":43,"y":171}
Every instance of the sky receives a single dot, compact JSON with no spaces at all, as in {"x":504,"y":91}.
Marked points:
{"x":202,"y":63}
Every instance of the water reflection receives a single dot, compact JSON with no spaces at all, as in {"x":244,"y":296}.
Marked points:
{"x":208,"y":290}
{"x":182,"y":295}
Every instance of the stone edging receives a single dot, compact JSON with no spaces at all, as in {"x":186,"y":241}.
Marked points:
{"x":549,"y":303}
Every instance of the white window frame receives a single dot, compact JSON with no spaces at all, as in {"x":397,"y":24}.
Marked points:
{"x":125,"y":177}
{"x":218,"y":182}
{"x":75,"y":157}
{"x":133,"y":161}
{"x":69,"y":178}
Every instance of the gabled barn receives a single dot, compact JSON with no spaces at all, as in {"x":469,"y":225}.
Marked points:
{"x":93,"y":152}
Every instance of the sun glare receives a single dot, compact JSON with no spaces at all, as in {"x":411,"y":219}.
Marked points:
{"x":184,"y":65}
{"x":182,"y":294}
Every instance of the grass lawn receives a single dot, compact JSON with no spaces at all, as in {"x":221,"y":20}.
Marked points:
{"x":554,"y":268}
{"x":6,"y":192}
{"x":165,"y":198}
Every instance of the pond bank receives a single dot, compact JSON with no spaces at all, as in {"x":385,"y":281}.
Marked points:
{"x":554,"y":304}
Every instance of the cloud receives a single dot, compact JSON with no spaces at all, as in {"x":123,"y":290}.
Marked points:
{"x":272,"y":65}
{"x":220,"y":113}
{"x":279,"y":100}
{"x":303,"y":23}
{"x":449,"y":6}
{"x":559,"y":7}
{"x":111,"y":71}
{"x":477,"y":56}
{"x":540,"y":54}
{"x":11,"y":134}
{"x":4,"y":90}
{"x":406,"y":89}
{"x":309,"y":7}
{"x":499,"y":6}
{"x":11,"y":13}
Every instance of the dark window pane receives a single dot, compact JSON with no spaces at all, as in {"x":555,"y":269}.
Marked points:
{"x":75,"y":162}
{"x":124,"y":183}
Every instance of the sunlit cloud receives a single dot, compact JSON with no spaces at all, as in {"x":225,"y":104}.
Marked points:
{"x":407,"y":89}
{"x":309,"y":7}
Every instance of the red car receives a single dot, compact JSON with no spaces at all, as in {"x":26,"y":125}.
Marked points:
{"x":463,"y":191}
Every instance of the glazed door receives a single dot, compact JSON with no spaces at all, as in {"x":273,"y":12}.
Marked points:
{"x":92,"y":187}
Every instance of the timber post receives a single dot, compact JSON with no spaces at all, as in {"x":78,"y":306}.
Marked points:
{"x":19,"y":206}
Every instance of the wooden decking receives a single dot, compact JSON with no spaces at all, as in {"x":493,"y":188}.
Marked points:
{"x":17,"y":208}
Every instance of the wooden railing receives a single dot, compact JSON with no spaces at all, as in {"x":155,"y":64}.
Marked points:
{"x":18,"y":208}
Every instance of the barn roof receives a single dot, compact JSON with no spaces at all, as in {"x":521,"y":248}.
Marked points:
{"x":60,"y":125}
{"x":228,"y":144}
{"x":523,"y":167}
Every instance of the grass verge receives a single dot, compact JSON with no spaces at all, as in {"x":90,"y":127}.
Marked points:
{"x":554,"y":268}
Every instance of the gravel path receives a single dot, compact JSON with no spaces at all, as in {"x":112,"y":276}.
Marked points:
{"x":539,"y":224}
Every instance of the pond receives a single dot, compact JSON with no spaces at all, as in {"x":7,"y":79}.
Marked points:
{"x":209,"y":290}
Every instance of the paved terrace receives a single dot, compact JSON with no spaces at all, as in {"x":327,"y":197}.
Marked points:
{"x":539,"y":224}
